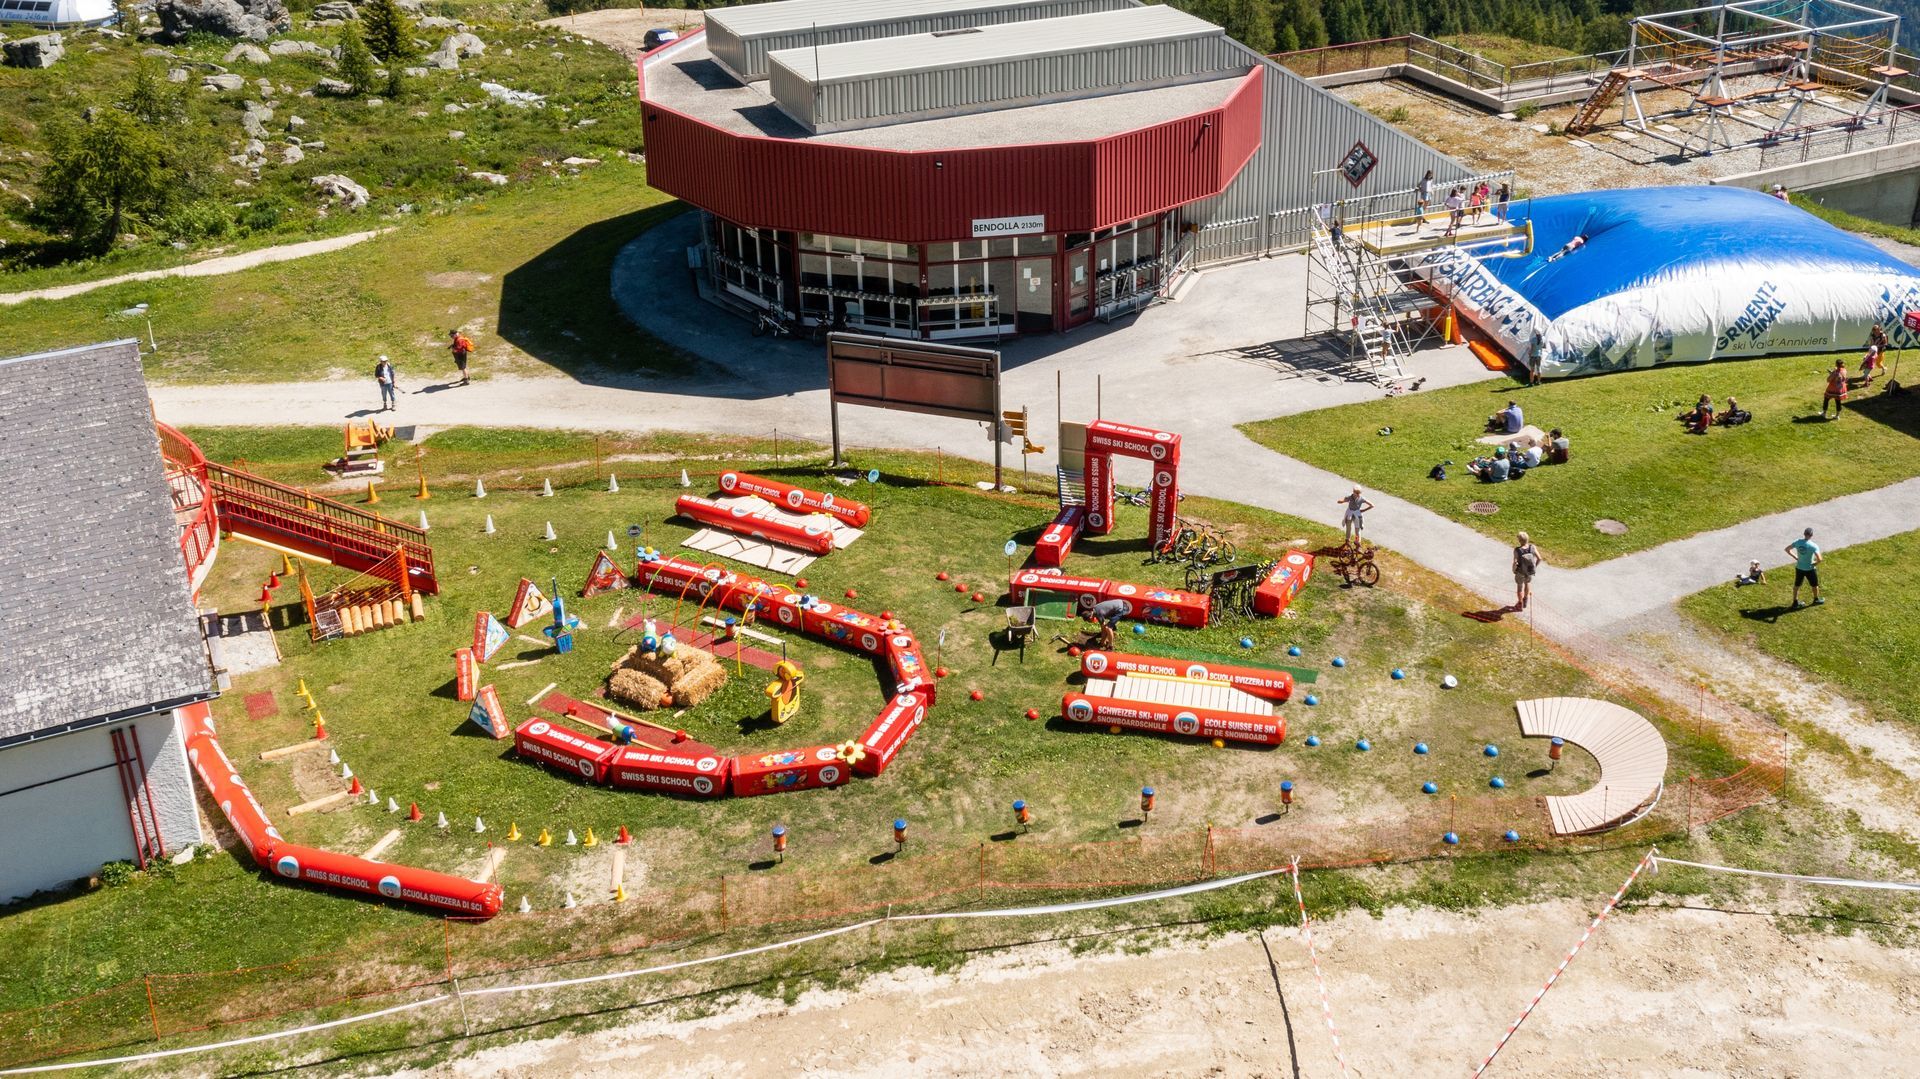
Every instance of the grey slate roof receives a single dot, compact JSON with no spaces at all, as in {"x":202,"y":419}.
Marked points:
{"x":95,"y":616}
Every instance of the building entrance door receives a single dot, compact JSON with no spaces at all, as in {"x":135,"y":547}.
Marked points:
{"x":1033,"y":296}
{"x":1079,"y":286}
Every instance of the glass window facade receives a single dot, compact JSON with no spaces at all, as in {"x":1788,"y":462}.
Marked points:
{"x":964,"y":288}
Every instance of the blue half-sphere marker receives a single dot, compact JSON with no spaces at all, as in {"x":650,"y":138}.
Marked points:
{"x":1293,"y":650}
{"x":1313,"y":740}
{"x":1429,"y":788}
{"x":1139,"y":630}
{"x":1363,"y":745}
{"x":1491,"y":750}
{"x":1339,"y":661}
{"x":1512,"y":836}
{"x":1246,"y":642}
{"x":1420,"y":748}
{"x":1312,"y":700}
{"x":1450,"y":839}
{"x":1497,"y":783}
{"x":1398,"y":674}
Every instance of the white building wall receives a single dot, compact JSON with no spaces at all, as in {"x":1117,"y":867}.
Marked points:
{"x":64,"y":811}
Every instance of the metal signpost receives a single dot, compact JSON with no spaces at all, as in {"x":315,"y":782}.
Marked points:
{"x":915,"y":376}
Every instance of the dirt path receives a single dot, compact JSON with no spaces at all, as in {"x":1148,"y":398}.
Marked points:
{"x":213,"y":267}
{"x":1657,"y":992}
{"x":621,"y":29}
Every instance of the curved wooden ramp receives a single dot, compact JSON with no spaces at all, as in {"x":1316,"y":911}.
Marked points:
{"x":1631,"y":753}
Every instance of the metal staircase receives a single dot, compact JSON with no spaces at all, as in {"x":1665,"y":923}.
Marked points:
{"x":1373,"y":297}
{"x":1603,"y":95}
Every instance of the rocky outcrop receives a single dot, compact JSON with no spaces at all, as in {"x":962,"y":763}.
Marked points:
{"x":342,"y":190}
{"x":254,"y":20}
{"x":42,"y":50}
{"x":247,"y":51}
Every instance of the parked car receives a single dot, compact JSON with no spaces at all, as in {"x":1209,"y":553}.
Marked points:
{"x":658,"y":37}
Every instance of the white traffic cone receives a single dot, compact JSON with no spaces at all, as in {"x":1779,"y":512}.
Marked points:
{"x":685,"y":480}
{"x":479,"y":488}
{"x":572,"y":840}
{"x":550,"y":537}
{"x":346,"y":771}
{"x":613,"y":484}
{"x":525,"y":907}
{"x":442,"y":822}
{"x":424,"y":526}
{"x":489,"y":530}
{"x":612,"y":545}
{"x":333,"y":756}
{"x":546,"y":488}
{"x":571,"y":902}
{"x":372,"y":798}
{"x":393,"y":806}
{"x":479,"y":825}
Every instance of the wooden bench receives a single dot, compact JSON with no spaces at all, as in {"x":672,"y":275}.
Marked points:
{"x":1631,"y":754}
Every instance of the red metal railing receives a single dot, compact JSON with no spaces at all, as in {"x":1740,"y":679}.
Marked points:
{"x":345,"y":535}
{"x":187,"y":482}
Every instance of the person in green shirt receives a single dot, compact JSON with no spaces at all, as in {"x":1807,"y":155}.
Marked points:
{"x":1806,"y":562}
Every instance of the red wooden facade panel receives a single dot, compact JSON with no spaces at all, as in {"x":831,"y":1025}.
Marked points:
{"x":931,"y":195}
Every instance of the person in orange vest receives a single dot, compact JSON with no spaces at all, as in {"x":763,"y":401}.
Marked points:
{"x":461,"y":346}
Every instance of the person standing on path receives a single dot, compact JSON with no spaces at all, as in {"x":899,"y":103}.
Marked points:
{"x":1422,"y":198}
{"x":1836,"y":394}
{"x":383,"y":374}
{"x":1356,"y":504}
{"x":1806,"y":566}
{"x":461,"y":346}
{"x":1526,"y":561}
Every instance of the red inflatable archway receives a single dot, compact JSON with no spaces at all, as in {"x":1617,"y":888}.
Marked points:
{"x":1104,"y":440}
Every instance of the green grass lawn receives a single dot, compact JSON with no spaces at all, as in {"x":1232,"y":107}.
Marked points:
{"x":388,"y":702}
{"x":526,"y":273}
{"x":1631,"y":460}
{"x":1864,"y":640}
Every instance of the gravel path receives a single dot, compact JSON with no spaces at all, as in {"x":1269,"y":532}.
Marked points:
{"x":213,"y":267}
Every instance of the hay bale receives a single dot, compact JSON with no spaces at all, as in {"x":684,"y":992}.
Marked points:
{"x":698,"y":681}
{"x":635,"y":688}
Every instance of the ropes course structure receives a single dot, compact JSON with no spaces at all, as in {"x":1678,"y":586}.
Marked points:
{"x":1753,"y":73}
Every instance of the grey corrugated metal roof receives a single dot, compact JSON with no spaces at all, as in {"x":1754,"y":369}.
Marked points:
{"x":788,"y":16}
{"x":988,"y":44}
{"x":95,"y":615}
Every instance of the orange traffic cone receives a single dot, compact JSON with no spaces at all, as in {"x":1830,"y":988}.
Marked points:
{"x":319,"y":727}
{"x":625,"y":836}
{"x":266,"y":597}
{"x":273,"y":581}
{"x":355,"y":787}
{"x":413,"y":812}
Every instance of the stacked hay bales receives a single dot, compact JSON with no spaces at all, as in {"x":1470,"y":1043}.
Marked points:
{"x":648,"y":681}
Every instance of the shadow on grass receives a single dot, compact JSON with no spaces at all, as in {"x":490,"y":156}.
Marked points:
{"x":1771,"y":614}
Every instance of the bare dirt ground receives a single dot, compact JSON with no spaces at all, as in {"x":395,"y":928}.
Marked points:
{"x":621,"y":29}
{"x":1659,"y":991}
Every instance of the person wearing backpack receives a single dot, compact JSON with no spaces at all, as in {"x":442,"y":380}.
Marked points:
{"x":461,"y":346}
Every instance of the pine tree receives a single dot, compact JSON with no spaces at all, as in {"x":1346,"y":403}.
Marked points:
{"x":101,"y":171}
{"x":356,"y":62}
{"x":388,"y":30}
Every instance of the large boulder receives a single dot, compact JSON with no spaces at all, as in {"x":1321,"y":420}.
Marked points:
{"x":333,"y":88}
{"x":334,"y":11}
{"x":247,"y":51}
{"x":39,"y":51}
{"x":438,"y":22}
{"x":342,"y":190}
{"x":465,"y":46}
{"x":299,"y":48}
{"x":222,"y":83}
{"x":254,"y":20}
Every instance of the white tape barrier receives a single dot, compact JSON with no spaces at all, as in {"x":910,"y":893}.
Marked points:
{"x":1326,"y":1003}
{"x":1834,"y":882}
{"x":1013,"y":912}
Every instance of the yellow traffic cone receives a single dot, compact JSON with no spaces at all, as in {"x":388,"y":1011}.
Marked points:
{"x":620,"y":893}
{"x":513,"y":832}
{"x":590,"y":841}
{"x":423,"y":493}
{"x":372,"y":495}
{"x":546,"y":838}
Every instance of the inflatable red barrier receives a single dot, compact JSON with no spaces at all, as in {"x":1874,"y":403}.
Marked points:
{"x":1099,"y":483}
{"x":223,"y":782}
{"x":1284,"y":581}
{"x":789,"y":770}
{"x":647,"y":768}
{"x":1086,"y":591}
{"x":797,"y":499}
{"x":466,"y":673}
{"x":909,"y":667}
{"x":810,"y":537}
{"x":1257,"y":681}
{"x":1174,"y":719}
{"x":406,"y":883}
{"x":1106,"y":436}
{"x":889,"y":731}
{"x":1056,"y":541}
{"x":1165,"y":606}
{"x":538,"y":740}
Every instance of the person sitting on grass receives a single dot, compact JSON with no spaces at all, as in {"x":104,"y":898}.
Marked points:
{"x":1507,"y":421}
{"x":1523,"y":456}
{"x":1700,"y":418}
{"x":1734,"y":416}
{"x":1754,"y":575}
{"x":1558,"y":447}
{"x":1495,"y":469}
